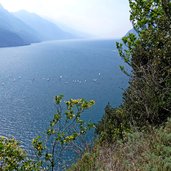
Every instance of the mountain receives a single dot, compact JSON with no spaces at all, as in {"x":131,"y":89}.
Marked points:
{"x":76,"y":33}
{"x":14,"y":32}
{"x":24,"y":28}
{"x":8,"y":38}
{"x":46,"y":30}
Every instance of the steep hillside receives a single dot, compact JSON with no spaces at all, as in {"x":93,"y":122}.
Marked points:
{"x":45,"y":29}
{"x":8,"y":38}
{"x":23,"y":28}
{"x":15,"y":32}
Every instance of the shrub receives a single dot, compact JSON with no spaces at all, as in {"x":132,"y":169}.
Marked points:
{"x":148,"y":99}
{"x":13,"y":157}
{"x":112,"y":125}
{"x":141,"y":151}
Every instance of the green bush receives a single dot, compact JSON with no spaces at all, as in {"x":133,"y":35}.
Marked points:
{"x":13,"y":157}
{"x":87,"y":161}
{"x":112,"y":125}
{"x":147,"y":100}
{"x":148,"y":97}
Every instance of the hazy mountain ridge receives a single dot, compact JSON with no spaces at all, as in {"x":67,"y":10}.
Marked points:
{"x":45,"y":29}
{"x":8,"y":38}
{"x":14,"y":32}
{"x":24,"y":28}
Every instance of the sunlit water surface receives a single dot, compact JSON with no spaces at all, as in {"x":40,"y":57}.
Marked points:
{"x":30,"y":77}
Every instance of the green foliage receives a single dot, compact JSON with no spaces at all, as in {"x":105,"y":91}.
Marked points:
{"x":148,"y":98}
{"x":64,"y":135}
{"x":147,"y":101}
{"x":149,"y":150}
{"x":13,"y":157}
{"x":112,"y":125}
{"x":87,"y":161}
{"x":143,"y":151}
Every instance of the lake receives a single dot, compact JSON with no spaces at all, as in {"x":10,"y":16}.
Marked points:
{"x":30,"y":77}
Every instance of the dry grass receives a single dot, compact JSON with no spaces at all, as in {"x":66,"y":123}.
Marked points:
{"x":142,"y":151}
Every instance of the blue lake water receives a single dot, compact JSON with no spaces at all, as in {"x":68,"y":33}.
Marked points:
{"x":30,"y":77}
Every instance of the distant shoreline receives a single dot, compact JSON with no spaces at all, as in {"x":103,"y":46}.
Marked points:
{"x":62,"y":40}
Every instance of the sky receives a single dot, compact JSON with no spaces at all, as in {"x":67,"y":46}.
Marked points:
{"x":100,"y":18}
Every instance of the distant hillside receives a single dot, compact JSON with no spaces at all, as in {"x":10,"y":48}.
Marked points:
{"x":24,"y":28}
{"x":8,"y":38}
{"x":74,"y":32}
{"x":46,"y":30}
{"x":14,"y":32}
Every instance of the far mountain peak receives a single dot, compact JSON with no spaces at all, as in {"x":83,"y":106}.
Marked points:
{"x":23,"y":28}
{"x":45,"y":28}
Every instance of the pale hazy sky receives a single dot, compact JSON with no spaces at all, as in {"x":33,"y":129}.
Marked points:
{"x":101,"y":18}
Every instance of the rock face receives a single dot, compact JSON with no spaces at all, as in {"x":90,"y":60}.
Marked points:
{"x":23,"y":28}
